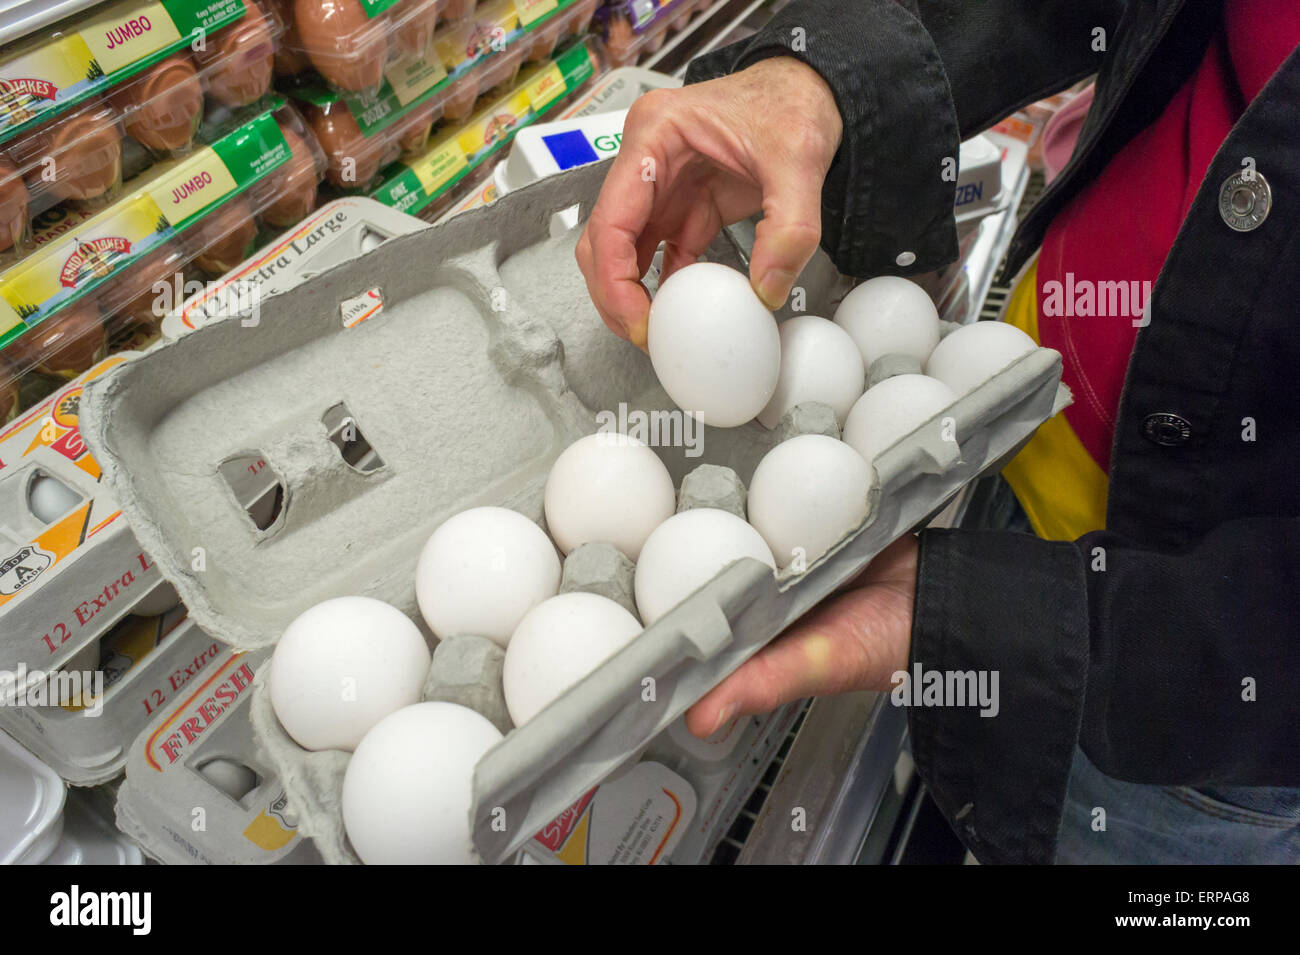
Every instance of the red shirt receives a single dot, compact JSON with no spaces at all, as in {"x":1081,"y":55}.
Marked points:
{"x":1120,"y":228}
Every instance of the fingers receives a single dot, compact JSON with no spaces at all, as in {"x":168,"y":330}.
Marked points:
{"x":841,"y":647}
{"x":787,"y":235}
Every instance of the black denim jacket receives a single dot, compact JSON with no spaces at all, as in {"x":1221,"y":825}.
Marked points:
{"x":1179,"y":662}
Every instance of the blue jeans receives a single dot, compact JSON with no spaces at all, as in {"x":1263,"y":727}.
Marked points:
{"x":1175,"y":824}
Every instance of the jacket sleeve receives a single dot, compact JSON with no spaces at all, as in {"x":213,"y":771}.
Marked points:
{"x":911,"y":80}
{"x":1167,"y":668}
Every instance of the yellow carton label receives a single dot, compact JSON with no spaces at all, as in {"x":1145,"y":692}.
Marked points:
{"x":440,"y":164}
{"x":414,"y":75}
{"x":58,"y":270}
{"x":41,"y":75}
{"x":530,"y":10}
{"x":122,"y":36}
{"x":546,"y":86}
{"x":491,"y":24}
{"x":191,"y":186}
{"x":495,"y":123}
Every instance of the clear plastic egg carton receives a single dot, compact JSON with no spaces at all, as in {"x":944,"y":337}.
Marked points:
{"x":635,"y":29}
{"x":480,"y":367}
{"x":83,"y":154}
{"x":102,"y":283}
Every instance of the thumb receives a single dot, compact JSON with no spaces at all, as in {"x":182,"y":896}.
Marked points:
{"x":787,"y":235}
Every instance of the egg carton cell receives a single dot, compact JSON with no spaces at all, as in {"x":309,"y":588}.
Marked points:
{"x":484,"y":363}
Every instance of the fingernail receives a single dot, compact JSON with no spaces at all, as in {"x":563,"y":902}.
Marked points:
{"x":637,"y":335}
{"x":774,"y":286}
{"x":728,"y":713}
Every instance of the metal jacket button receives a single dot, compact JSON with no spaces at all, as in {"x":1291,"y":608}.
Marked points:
{"x":1166,"y":428}
{"x":1244,"y":200}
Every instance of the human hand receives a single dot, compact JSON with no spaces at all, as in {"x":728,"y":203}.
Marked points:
{"x":853,"y":641}
{"x":696,"y":159}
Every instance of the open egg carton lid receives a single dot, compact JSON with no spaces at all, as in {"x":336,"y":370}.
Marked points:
{"x":466,"y":378}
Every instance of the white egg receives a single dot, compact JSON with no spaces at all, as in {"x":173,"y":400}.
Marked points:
{"x":408,"y":789}
{"x":341,"y":667}
{"x":806,"y":494}
{"x":234,"y":779}
{"x":608,"y":487}
{"x":819,"y":362}
{"x":895,"y":407}
{"x":686,"y":551}
{"x":482,"y":570}
{"x":49,"y":498}
{"x":713,"y":344}
{"x":889,"y":315}
{"x":975,"y":353}
{"x":558,"y":643}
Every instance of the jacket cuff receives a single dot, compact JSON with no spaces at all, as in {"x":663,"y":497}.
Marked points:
{"x":887,"y":205}
{"x":1016,"y":606}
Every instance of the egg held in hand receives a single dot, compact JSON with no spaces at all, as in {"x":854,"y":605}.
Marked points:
{"x":819,"y":362}
{"x":341,"y":667}
{"x":482,"y":570}
{"x":408,"y":788}
{"x":686,"y":551}
{"x":608,"y":487}
{"x":975,"y":353}
{"x":894,"y":408}
{"x":806,"y":494}
{"x":559,"y":642}
{"x":713,"y":344}
{"x":889,"y":315}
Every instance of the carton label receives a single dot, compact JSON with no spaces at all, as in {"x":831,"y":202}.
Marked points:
{"x":65,"y":269}
{"x":530,"y":10}
{"x":21,"y":568}
{"x":47,"y":75}
{"x":124,"y":36}
{"x":169,"y":741}
{"x":636,"y":819}
{"x":411,"y":77}
{"x":439,"y":166}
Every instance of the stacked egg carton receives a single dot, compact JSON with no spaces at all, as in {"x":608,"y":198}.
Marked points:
{"x":458,"y":159}
{"x":92,"y":641}
{"x":99,"y":281}
{"x":633,"y":30}
{"x":373,"y":94}
{"x":507,"y":365}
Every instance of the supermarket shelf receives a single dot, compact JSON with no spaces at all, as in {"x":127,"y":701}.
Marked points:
{"x":22,"y":17}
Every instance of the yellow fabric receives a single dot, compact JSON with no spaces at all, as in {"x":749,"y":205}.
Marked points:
{"x":1060,"y":486}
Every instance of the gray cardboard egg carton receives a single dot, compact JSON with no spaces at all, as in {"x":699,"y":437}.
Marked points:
{"x":486,"y":361}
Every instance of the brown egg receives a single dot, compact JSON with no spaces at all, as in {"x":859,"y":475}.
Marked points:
{"x":585,"y":10}
{"x":293,"y":184}
{"x":13,"y":206}
{"x":289,"y":58}
{"x":413,"y":128}
{"x":342,"y":43}
{"x":352,"y":160}
{"x":461,"y":96}
{"x":8,"y":394}
{"x":83,"y":151}
{"x":163,"y":106}
{"x":620,"y":41}
{"x":412,"y":24}
{"x":225,"y":236}
{"x":239,"y":59}
{"x":658,"y":33}
{"x":133,"y":295}
{"x":540,"y":48}
{"x":66,"y":344}
{"x":457,"y":10}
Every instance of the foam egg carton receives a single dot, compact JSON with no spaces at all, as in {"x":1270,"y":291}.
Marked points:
{"x":485,"y":362}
